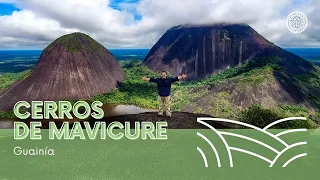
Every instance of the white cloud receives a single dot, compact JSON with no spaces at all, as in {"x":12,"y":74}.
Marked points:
{"x":39,"y":22}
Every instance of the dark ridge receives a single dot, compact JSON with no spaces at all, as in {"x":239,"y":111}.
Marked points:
{"x":203,"y":50}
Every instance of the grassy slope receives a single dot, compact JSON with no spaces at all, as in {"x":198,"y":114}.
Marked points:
{"x":7,"y":79}
{"x":134,"y":91}
{"x":137,"y":92}
{"x":311,"y":81}
{"x":249,"y":77}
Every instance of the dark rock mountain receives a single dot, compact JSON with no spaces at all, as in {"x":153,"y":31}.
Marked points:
{"x":268,"y":76}
{"x":202,"y":50}
{"x":72,"y":67}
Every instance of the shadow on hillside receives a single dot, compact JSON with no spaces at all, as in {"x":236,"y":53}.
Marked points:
{"x":297,"y":91}
{"x":289,"y":85}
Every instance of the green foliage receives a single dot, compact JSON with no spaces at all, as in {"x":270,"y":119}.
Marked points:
{"x":180,"y":96}
{"x":129,"y":63}
{"x":73,"y":43}
{"x":231,"y":72}
{"x":220,"y":106}
{"x":252,"y":72}
{"x":7,"y":114}
{"x":255,"y":77}
{"x":258,"y":116}
{"x":7,"y":79}
{"x":311,"y":79}
{"x":134,"y":90}
{"x":294,"y":110}
{"x":317,"y":117}
{"x":300,"y":111}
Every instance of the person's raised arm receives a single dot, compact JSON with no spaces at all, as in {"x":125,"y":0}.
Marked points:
{"x":145,"y":78}
{"x":183,"y":76}
{"x":178,"y":78}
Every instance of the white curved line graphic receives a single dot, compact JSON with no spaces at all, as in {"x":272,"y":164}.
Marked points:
{"x":283,"y":120}
{"x":250,"y":139}
{"x":290,"y":131}
{"x":244,"y":124}
{"x":294,"y":158}
{"x":284,"y":150}
{"x":251,"y":153}
{"x":212,"y":146}
{"x":203,"y":157}
{"x":221,"y":137}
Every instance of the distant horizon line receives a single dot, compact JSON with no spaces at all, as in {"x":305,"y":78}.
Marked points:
{"x":143,"y":49}
{"x":44,"y":48}
{"x":303,"y":47}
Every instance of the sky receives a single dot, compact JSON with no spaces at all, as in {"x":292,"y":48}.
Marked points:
{"x":33,"y":24}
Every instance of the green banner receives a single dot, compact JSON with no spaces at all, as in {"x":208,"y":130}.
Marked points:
{"x":185,"y":154}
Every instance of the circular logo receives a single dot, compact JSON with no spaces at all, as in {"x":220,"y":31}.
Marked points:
{"x":297,"y":22}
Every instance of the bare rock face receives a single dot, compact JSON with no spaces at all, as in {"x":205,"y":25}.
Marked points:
{"x":202,"y":50}
{"x":72,"y":67}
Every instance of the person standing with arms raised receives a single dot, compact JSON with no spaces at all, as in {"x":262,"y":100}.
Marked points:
{"x":164,"y":90}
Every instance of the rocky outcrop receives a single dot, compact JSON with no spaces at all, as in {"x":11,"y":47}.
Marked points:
{"x":178,"y":120}
{"x":72,"y":67}
{"x":202,"y":50}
